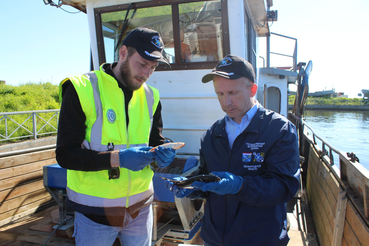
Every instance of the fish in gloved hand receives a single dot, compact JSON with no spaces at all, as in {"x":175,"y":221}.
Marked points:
{"x":181,"y":186}
{"x":229,"y":184}
{"x":165,"y":153}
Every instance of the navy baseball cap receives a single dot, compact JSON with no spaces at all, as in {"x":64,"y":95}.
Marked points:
{"x":232,"y":67}
{"x":147,"y":43}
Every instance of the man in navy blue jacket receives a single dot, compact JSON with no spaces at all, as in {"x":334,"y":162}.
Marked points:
{"x":255,"y":153}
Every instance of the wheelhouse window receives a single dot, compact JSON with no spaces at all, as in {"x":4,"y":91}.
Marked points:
{"x":200,"y":26}
{"x":116,"y":25}
{"x":192,"y":32}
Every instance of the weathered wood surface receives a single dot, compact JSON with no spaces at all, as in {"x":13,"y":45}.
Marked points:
{"x":34,"y":230}
{"x":21,"y":184}
{"x":28,"y":144}
{"x":321,"y":198}
{"x":338,"y":210}
{"x":356,"y":177}
{"x":339,"y":220}
{"x":22,"y":194}
{"x":21,"y":159}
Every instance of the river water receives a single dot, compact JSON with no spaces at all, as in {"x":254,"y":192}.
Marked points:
{"x":347,"y":131}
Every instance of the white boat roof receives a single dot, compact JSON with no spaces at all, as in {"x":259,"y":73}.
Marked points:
{"x":256,"y":8}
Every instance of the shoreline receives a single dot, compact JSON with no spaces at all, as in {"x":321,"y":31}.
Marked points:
{"x":335,"y":107}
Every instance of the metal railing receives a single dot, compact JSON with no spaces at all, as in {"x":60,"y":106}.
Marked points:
{"x":28,"y":124}
{"x":326,"y":148}
{"x":293,"y":56}
{"x":334,"y":155}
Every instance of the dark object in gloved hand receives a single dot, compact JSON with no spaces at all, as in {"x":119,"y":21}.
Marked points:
{"x":186,"y":182}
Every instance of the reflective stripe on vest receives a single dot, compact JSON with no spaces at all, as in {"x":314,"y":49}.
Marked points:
{"x":93,"y":188}
{"x":102,"y":202}
{"x":97,"y":127}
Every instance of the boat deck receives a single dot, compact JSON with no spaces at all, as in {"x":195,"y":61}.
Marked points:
{"x":302,"y":230}
{"x":37,"y":229}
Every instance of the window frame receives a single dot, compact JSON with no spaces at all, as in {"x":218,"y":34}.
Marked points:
{"x":177,"y":65}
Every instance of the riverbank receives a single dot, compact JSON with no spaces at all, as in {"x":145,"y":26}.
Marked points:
{"x":335,"y":107}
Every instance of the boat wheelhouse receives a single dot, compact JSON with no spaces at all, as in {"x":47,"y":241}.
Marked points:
{"x":196,"y":35}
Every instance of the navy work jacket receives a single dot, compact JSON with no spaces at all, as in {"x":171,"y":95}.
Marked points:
{"x":266,"y":156}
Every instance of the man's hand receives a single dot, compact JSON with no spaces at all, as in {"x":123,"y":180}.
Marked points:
{"x":136,"y":158}
{"x":229,"y":184}
{"x":180,"y":192}
{"x":164,"y":156}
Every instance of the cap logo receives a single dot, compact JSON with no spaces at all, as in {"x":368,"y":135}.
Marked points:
{"x":226,"y":62}
{"x":156,"y":41}
{"x":151,"y":55}
{"x":111,"y":116}
{"x":228,"y":74}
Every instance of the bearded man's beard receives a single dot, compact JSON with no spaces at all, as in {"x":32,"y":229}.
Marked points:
{"x":125,"y":73}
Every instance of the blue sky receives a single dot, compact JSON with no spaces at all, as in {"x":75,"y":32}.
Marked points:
{"x":40,"y":43}
{"x":334,"y":35}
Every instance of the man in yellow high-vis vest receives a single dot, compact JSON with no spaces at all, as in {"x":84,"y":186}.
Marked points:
{"x":109,"y":119}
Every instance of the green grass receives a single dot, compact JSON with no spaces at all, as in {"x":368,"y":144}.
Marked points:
{"x":329,"y":101}
{"x":28,"y":97}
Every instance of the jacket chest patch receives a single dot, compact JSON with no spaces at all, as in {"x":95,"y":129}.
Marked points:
{"x":251,"y":160}
{"x":246,"y":157}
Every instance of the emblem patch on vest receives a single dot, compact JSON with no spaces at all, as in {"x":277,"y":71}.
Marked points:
{"x":111,"y":116}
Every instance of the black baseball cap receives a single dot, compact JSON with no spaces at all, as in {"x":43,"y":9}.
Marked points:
{"x":148,"y":44}
{"x":232,"y":67}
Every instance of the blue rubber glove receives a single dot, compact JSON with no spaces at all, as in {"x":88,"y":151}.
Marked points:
{"x":229,"y":184}
{"x":136,"y":158}
{"x":164,"y":156}
{"x":180,"y":192}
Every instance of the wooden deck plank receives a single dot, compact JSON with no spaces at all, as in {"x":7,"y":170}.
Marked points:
{"x":355,"y":231}
{"x":344,"y":243}
{"x":21,"y":234}
{"x":319,"y":220}
{"x":9,"y":183}
{"x":16,"y":203}
{"x":323,"y":171}
{"x":21,"y":189}
{"x":10,"y":172}
{"x":12,"y":161}
{"x":339,"y":220}
{"x":317,"y":200}
{"x":328,"y":199}
{"x":329,"y":185}
{"x":349,"y":236}
{"x":22,"y":211}
{"x":358,"y":226}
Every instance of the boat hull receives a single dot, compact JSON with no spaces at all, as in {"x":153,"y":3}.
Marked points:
{"x":338,"y":198}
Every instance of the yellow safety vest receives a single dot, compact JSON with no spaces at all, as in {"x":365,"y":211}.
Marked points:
{"x":102,"y":102}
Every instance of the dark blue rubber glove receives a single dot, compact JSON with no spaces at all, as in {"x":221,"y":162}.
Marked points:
{"x":229,"y":184}
{"x":181,"y":193}
{"x":164,"y":156}
{"x":136,"y":158}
